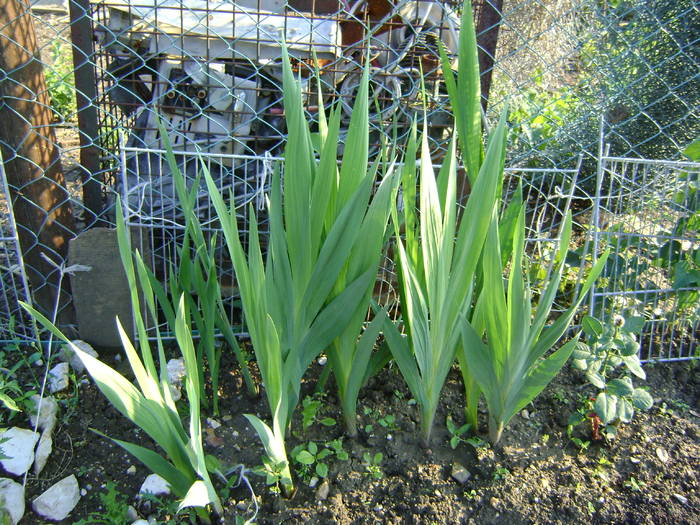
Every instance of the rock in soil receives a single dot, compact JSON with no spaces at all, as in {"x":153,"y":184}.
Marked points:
{"x":460,"y":474}
{"x":43,"y":451}
{"x":323,"y":490}
{"x":69,"y":356}
{"x":681,"y":499}
{"x":18,"y":446}
{"x":155,"y":485}
{"x":662,"y":455}
{"x":47,"y":415}
{"x":176,"y":373}
{"x":12,"y":499}
{"x":58,"y":378}
{"x":58,"y":501}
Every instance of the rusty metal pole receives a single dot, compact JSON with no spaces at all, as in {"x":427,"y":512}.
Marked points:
{"x":487,"y":21}
{"x":32,"y":164}
{"x":86,"y":95}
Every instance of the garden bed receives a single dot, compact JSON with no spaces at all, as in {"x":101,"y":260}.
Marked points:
{"x":650,"y":474}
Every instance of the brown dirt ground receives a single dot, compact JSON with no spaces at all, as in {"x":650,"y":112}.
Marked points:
{"x":536,"y":475}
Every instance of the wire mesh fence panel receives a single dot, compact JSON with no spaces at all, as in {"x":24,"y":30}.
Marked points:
{"x":152,"y":209}
{"x":646,"y":213}
{"x":15,"y":324}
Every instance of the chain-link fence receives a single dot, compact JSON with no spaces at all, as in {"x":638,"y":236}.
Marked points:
{"x":77,"y":75}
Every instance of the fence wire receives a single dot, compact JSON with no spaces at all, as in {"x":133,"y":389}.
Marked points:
{"x":211,"y":69}
{"x":647,"y":214}
{"x":14,"y":285}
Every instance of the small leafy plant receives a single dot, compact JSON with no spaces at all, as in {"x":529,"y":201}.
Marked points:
{"x":115,"y":508}
{"x":311,"y":412}
{"x":373,"y":463}
{"x":196,"y":279}
{"x":609,"y":360}
{"x":456,"y":432}
{"x":311,"y":458}
{"x":13,"y":396}
{"x":389,"y":422}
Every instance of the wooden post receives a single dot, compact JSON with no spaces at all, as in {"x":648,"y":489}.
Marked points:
{"x":32,"y":164}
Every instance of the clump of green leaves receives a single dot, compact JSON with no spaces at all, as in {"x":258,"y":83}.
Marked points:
{"x":373,"y":464}
{"x":60,"y":81}
{"x":196,"y":279}
{"x":634,"y":484}
{"x":13,"y":396}
{"x":609,"y":360}
{"x":296,"y":300}
{"x":457,"y":435}
{"x":149,"y":403}
{"x":115,"y":508}
{"x":312,"y":458}
{"x":517,"y":363}
{"x":311,"y":412}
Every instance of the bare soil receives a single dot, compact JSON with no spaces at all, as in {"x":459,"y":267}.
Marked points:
{"x":649,"y":475}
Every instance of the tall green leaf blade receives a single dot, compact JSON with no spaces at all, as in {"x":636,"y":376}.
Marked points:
{"x":536,"y":381}
{"x":354,"y":164}
{"x":178,"y":481}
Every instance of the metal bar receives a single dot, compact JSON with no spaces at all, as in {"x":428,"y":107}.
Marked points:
{"x":86,"y":96}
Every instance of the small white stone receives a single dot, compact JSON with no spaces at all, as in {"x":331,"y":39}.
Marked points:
{"x":525,"y":414}
{"x":19,"y":449}
{"x":322,"y":360}
{"x":141,"y":522}
{"x":213,"y":423}
{"x":58,"y":378}
{"x":176,"y":370}
{"x":313,"y":482}
{"x":176,"y":373}
{"x":12,"y":499}
{"x":68,"y":355}
{"x":459,"y":473}
{"x":43,"y":451}
{"x":38,"y":363}
{"x":131,"y":469}
{"x":131,"y":513}
{"x":155,"y":485}
{"x":83,"y":492}
{"x":47,"y":414}
{"x":57,"y":502}
{"x":681,"y":499}
{"x":662,"y":455}
{"x":323,"y":490}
